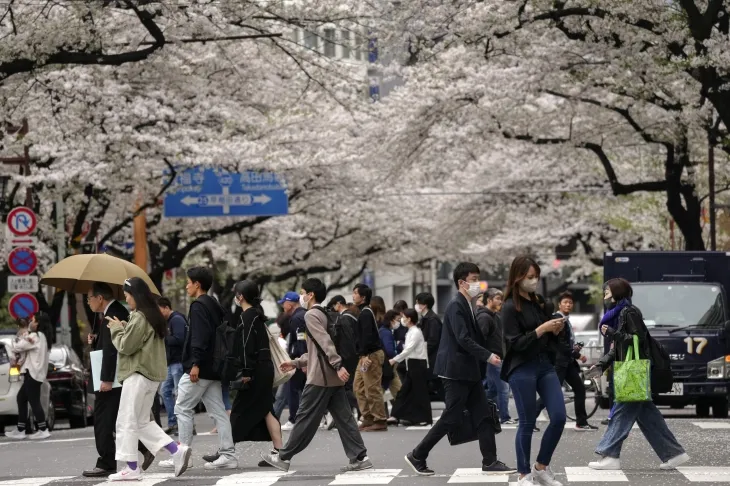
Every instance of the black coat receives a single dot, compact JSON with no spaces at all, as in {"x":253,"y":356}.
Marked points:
{"x":491,"y":328}
{"x":630,"y":323}
{"x":431,"y":326}
{"x":175,"y":339}
{"x":206,"y":315}
{"x":462,"y":353}
{"x":566,"y":355}
{"x":104,"y":343}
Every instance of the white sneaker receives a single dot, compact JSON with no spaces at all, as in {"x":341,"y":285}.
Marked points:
{"x":544,"y":477}
{"x":387,"y":396}
{"x":16,"y":434}
{"x":167,"y":464}
{"x":181,"y":458}
{"x":41,"y":434}
{"x":222,"y":462}
{"x":606,"y":464}
{"x":675,"y":461}
{"x":127,"y":474}
{"x":526,"y":480}
{"x":287,"y":426}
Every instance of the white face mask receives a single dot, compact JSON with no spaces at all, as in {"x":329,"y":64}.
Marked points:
{"x":474,"y":289}
{"x":419,"y":308}
{"x":395,"y":325}
{"x":529,"y":285}
{"x":237,"y":302}
{"x":303,"y":301}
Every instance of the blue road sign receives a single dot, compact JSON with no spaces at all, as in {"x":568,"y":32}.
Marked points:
{"x":22,"y":261}
{"x":201,"y":192}
{"x":22,"y":306}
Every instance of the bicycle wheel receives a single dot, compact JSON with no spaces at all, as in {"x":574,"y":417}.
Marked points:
{"x":592,"y":400}
{"x":569,"y":399}
{"x":596,"y":390}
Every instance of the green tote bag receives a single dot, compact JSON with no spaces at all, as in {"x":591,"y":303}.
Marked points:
{"x":632,"y":378}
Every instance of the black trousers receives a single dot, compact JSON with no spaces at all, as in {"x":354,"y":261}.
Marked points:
{"x":571,"y":374}
{"x":459,"y":396}
{"x":30,"y":392}
{"x":106,"y":406}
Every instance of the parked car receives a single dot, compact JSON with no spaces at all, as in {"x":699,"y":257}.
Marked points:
{"x":69,"y":380}
{"x":10,"y":383}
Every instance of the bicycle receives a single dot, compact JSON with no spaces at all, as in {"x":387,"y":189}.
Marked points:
{"x":593,"y":389}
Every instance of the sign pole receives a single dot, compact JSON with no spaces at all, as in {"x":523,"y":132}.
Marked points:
{"x":140,"y":239}
{"x":65,"y":337}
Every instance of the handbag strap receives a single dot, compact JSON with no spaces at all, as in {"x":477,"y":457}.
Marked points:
{"x":246,"y":338}
{"x":633,"y":353}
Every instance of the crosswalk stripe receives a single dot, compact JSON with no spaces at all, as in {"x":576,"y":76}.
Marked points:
{"x":712,"y":425}
{"x":706,"y":474}
{"x":476,"y":475}
{"x":33,"y":481}
{"x":253,"y":478}
{"x":370,"y":476}
{"x":153,"y":478}
{"x":588,"y":475}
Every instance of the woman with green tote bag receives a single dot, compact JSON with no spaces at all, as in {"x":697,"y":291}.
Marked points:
{"x":633,"y":396}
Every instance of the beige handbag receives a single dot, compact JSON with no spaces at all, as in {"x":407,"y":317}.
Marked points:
{"x":279,"y":356}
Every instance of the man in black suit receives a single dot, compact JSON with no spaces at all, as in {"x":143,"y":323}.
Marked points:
{"x":106,"y":404}
{"x":460,"y":362}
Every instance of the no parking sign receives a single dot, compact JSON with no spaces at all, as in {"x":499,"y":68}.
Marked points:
{"x":22,"y":261}
{"x":22,"y":306}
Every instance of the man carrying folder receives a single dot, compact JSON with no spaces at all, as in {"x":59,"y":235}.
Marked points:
{"x":101,"y":300}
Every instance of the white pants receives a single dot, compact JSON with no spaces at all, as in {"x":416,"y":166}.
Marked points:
{"x":133,"y":419}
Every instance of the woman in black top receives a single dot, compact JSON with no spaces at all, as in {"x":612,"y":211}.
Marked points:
{"x":252,"y":417}
{"x":530,"y":338}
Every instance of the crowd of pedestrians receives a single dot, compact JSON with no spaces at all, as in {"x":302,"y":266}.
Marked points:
{"x":351,"y":365}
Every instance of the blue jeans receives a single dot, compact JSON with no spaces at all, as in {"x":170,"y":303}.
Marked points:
{"x":527,"y":381}
{"x":168,"y":389}
{"x":650,"y":422}
{"x":226,"y":395}
{"x":498,"y":391}
{"x":282,"y":399}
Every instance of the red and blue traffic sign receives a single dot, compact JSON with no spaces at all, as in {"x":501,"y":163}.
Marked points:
{"x":22,"y":221}
{"x":22,"y":306}
{"x":22,"y":261}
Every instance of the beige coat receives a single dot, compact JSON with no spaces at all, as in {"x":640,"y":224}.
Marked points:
{"x":319,"y":373}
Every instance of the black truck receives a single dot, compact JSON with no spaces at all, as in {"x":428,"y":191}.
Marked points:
{"x":683,"y":298}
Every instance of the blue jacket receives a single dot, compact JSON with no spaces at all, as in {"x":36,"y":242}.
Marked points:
{"x":388,"y":340}
{"x":175,"y":339}
{"x":462,"y":352}
{"x":297,"y":327}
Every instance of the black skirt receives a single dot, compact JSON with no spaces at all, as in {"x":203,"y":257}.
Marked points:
{"x":413,"y":402}
{"x":252,"y":405}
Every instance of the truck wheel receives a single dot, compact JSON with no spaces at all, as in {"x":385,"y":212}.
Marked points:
{"x":719,"y":408}
{"x":703,"y":409}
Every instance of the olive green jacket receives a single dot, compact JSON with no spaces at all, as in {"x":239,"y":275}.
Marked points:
{"x":140,"y":350}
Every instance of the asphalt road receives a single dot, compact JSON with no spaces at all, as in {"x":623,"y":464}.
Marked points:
{"x":60,"y":460}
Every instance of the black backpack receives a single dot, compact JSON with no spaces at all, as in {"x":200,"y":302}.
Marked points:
{"x":661,"y":366}
{"x":343,"y":337}
{"x":223,"y":339}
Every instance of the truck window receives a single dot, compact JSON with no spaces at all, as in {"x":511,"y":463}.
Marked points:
{"x":680,"y":305}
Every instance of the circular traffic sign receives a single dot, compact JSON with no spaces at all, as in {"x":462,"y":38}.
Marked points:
{"x":22,"y":261}
{"x":22,"y":306}
{"x":22,"y":221}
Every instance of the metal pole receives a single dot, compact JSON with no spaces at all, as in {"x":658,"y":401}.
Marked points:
{"x":434,"y":284}
{"x":711,"y":182}
{"x":140,"y":240}
{"x":61,"y":250}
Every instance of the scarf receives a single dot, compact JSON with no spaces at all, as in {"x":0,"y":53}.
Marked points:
{"x":610,"y":318}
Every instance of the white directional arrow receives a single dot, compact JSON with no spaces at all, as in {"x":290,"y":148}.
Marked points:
{"x":225,"y":200}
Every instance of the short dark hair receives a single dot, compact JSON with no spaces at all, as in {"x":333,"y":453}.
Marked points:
{"x":337,"y":299}
{"x":412,"y":315}
{"x":164,"y":302}
{"x":463,"y":270}
{"x":102,"y":289}
{"x":567,"y":295}
{"x":425,"y":298}
{"x":620,"y":289}
{"x":400,"y":306}
{"x":389,"y":316}
{"x":491,"y":294}
{"x":317,"y":287}
{"x":365,"y":292}
{"x":201,"y":275}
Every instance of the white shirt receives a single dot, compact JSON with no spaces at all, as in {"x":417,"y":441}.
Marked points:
{"x":36,"y":359}
{"x":415,"y":346}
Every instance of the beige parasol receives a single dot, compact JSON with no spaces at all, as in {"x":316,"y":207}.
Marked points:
{"x":77,"y":274}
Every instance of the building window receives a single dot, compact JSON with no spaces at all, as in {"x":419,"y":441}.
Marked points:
{"x":311,"y":40}
{"x":345,"y":44}
{"x":329,"y":42}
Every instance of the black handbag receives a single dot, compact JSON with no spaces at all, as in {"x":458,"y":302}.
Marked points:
{"x":388,"y":372}
{"x":467,"y":429}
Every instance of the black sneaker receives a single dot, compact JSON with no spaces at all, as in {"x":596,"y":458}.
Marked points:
{"x":498,"y":467}
{"x":509,"y":422}
{"x":211,"y":457}
{"x":536,"y":429}
{"x":586,"y":427}
{"x":604,"y":422}
{"x":171,"y":430}
{"x":418,"y":466}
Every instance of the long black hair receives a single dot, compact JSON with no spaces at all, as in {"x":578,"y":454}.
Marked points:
{"x":44,"y":326}
{"x":146,"y":304}
{"x":248,"y":290}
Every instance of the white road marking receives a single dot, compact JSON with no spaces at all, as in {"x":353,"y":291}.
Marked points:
{"x":712,"y":425}
{"x":33,"y":481}
{"x":706,"y":474}
{"x":252,"y":478}
{"x":369,"y":476}
{"x":476,"y":475}
{"x":588,"y":475}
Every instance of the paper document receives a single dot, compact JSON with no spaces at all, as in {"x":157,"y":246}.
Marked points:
{"x":95,"y":357}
